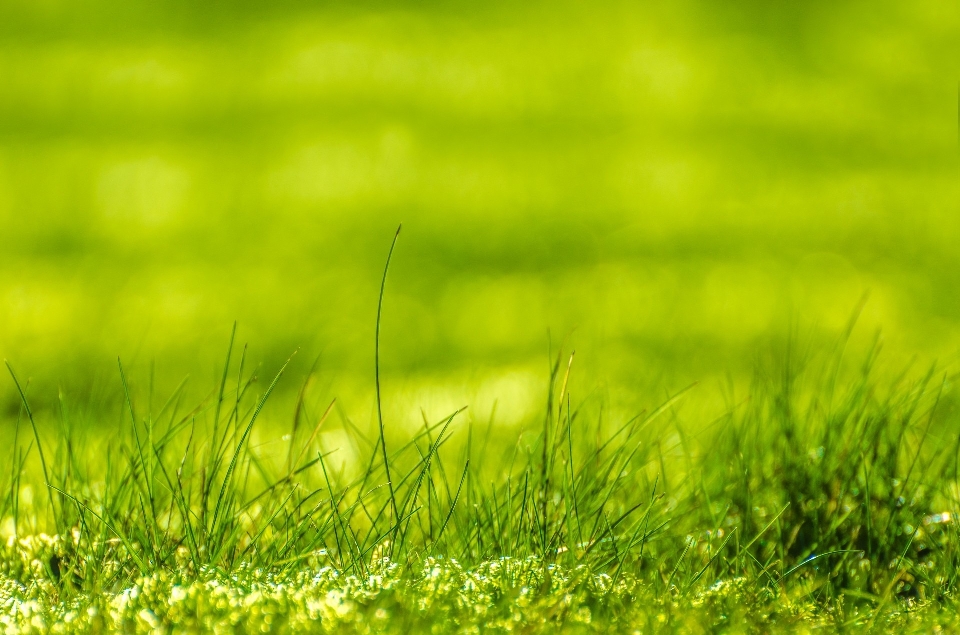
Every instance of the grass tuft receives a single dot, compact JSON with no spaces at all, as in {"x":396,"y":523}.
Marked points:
{"x":815,"y":501}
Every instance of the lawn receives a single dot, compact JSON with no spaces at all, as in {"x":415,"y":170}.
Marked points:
{"x":742,"y":217}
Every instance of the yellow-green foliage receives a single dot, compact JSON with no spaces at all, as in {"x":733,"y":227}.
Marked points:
{"x":670,"y":183}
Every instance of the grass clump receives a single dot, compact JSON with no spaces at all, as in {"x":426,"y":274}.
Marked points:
{"x":818,"y":501}
{"x":851,"y":489}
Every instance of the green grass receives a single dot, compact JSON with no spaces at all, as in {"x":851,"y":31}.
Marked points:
{"x":689,"y":194}
{"x":823,"y":498}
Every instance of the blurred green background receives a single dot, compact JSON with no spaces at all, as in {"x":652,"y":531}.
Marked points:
{"x":666,"y":187}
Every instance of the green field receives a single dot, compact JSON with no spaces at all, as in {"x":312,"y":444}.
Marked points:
{"x":742,"y":216}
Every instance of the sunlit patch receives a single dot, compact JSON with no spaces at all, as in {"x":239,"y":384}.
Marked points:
{"x":217,"y":600}
{"x":151,"y":191}
{"x":510,"y":395}
{"x":937,"y":519}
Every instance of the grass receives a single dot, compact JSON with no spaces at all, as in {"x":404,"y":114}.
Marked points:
{"x":824,"y":498}
{"x":669,"y":185}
